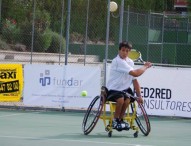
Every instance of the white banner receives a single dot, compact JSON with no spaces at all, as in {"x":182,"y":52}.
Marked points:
{"x":60,"y":86}
{"x":166,"y":91}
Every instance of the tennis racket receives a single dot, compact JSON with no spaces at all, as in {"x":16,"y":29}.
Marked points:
{"x":135,"y":55}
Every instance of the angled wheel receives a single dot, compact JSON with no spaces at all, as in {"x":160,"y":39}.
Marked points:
{"x":142,"y":118}
{"x":92,"y":114}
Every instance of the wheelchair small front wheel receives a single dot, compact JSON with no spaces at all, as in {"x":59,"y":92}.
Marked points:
{"x":135,"y":134}
{"x":92,"y":114}
{"x":110,"y":134}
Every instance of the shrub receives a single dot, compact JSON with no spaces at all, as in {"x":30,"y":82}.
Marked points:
{"x":26,"y":32}
{"x":10,"y":31}
{"x":55,"y":44}
{"x":76,"y":37}
{"x":42,"y":41}
{"x":4,"y":45}
{"x":42,"y":34}
{"x":46,"y":39}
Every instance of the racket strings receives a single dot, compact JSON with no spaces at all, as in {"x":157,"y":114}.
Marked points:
{"x":134,"y":55}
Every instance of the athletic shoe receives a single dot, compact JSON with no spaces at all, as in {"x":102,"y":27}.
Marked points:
{"x":115,"y":122}
{"x":125,"y":125}
{"x":119,"y":127}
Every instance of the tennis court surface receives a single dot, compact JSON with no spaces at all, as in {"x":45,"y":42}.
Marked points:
{"x":58,"y":128}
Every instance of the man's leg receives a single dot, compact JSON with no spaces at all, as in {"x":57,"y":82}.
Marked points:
{"x":119,"y":106}
{"x":124,"y":125}
{"x":124,"y":107}
{"x":127,"y":101}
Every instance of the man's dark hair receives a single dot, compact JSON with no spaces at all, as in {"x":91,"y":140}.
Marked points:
{"x":125,"y":44}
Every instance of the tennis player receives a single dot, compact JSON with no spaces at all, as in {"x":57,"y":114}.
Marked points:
{"x":122,"y":76}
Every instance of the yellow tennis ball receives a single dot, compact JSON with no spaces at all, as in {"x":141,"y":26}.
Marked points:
{"x":113,"y":6}
{"x":84,"y":93}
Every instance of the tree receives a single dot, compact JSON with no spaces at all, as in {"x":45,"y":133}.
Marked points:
{"x":16,"y":9}
{"x":189,"y":5}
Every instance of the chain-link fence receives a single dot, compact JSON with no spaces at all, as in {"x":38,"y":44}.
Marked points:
{"x":162,"y":38}
{"x":66,"y":31}
{"x":74,"y":31}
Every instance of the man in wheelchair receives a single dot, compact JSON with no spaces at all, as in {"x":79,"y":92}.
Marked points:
{"x":122,"y":76}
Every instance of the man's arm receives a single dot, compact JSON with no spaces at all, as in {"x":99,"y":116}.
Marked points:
{"x":140,"y":71}
{"x":138,"y":90}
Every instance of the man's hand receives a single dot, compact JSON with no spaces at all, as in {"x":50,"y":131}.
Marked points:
{"x":148,"y":64}
{"x":140,"y":99}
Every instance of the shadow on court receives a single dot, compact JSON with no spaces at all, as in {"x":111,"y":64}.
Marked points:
{"x":56,"y":128}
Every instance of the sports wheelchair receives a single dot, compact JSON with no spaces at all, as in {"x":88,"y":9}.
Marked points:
{"x":97,"y":110}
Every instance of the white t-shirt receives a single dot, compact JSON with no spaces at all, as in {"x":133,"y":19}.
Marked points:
{"x":119,"y":78}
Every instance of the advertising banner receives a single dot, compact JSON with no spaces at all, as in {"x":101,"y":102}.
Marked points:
{"x":11,"y":82}
{"x":61,"y":86}
{"x":166,"y":91}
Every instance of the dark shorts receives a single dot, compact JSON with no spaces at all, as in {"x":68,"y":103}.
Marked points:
{"x":113,"y":95}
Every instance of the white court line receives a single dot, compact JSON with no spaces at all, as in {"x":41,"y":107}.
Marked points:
{"x":11,"y":115}
{"x":79,"y":141}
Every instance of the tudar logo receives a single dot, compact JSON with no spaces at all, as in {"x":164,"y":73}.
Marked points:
{"x":45,"y":80}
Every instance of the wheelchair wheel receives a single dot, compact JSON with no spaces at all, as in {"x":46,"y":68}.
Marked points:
{"x":92,"y":114}
{"x":142,"y":118}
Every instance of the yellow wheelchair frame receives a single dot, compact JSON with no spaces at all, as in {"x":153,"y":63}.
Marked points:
{"x":97,"y":110}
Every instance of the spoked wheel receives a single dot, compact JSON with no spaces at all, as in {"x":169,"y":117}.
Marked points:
{"x":142,"y":118}
{"x":92,"y":114}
